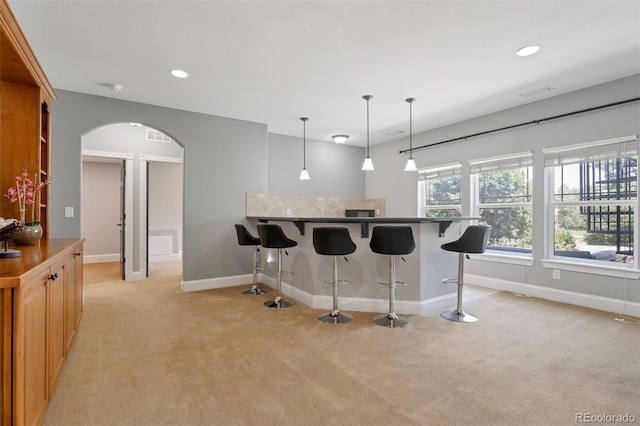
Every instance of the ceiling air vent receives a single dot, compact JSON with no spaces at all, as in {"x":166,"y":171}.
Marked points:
{"x":156,"y":136}
{"x":536,"y":92}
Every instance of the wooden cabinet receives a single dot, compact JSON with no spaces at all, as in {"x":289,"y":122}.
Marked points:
{"x":40,"y":310}
{"x":24,"y":113}
{"x":73,"y":294}
{"x":57,"y":317}
{"x":30,"y":352}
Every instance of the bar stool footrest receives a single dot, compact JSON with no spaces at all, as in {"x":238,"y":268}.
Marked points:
{"x":340,"y":282}
{"x":387,"y":283}
{"x":450,"y":281}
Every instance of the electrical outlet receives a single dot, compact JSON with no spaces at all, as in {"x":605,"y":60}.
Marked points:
{"x":556,"y":274}
{"x":68,"y":212}
{"x":288,"y":212}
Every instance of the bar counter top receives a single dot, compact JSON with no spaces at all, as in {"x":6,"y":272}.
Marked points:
{"x":299,"y":222}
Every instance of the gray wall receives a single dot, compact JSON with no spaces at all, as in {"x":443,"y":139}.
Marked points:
{"x":389,"y":176}
{"x":223,"y":160}
{"x":165,"y":195}
{"x":334,"y":169}
{"x":101,"y":207}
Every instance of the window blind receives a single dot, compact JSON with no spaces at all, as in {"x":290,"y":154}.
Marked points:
{"x":513,"y":161}
{"x":592,"y":151}
{"x":444,"y":171}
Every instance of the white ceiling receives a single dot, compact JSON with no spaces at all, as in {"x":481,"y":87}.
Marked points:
{"x":273,"y":62}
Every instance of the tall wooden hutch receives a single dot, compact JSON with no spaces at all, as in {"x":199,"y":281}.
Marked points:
{"x":41,"y":291}
{"x":25,"y":96}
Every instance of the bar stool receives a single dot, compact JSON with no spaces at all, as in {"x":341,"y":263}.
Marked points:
{"x":246,"y":239}
{"x":272,"y":236}
{"x":473,"y":240}
{"x":392,"y":241}
{"x":334,"y":241}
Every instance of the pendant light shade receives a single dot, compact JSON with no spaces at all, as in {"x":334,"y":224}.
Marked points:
{"x":368,"y":164}
{"x":411,"y":164}
{"x":304,"y":174}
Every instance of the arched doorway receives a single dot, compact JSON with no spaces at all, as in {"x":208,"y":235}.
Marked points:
{"x":125,"y":218}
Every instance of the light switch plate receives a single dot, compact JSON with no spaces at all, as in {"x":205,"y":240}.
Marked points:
{"x":68,"y":212}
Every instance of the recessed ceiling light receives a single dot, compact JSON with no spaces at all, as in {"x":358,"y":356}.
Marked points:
{"x":136,"y":124}
{"x":179,"y":73}
{"x":527,"y":50}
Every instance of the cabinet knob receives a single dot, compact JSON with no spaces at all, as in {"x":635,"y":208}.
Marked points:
{"x":53,"y":277}
{"x":77,"y":254}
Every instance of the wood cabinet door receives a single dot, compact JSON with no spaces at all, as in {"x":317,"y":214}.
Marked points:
{"x":70,"y":324}
{"x":57,"y":340}
{"x":78,"y":281}
{"x":30,"y":384}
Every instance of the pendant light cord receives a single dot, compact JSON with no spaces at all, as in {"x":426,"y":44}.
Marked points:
{"x":367,"y":127}
{"x":410,"y":101}
{"x":367,"y":98}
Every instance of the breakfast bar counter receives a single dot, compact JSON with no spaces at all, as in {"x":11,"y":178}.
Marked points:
{"x":422,"y":270}
{"x":442,"y":222}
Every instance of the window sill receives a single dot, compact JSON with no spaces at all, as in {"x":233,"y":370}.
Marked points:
{"x":590,"y":268}
{"x":513,"y":259}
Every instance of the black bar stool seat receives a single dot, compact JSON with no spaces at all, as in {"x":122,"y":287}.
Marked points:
{"x":392,"y":241}
{"x":272,"y":236}
{"x":334,"y":241}
{"x":473,"y":240}
{"x":246,"y":239}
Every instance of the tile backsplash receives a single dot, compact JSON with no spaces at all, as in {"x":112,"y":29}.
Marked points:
{"x":281,"y":206}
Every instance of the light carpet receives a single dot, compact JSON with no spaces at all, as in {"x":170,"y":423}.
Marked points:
{"x":147,"y":353}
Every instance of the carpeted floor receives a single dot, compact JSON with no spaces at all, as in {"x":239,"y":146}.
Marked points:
{"x":148,"y":354}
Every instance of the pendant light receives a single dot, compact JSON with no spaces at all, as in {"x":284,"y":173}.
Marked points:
{"x":368,"y":164}
{"x":304,"y":174}
{"x":411,"y":165}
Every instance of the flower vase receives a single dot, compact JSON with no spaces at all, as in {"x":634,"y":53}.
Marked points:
{"x":30,"y":234}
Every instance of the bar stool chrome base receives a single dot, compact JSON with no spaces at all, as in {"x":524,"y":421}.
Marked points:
{"x":390,"y":320}
{"x":458,"y":316}
{"x":335,"y":317}
{"x":255,"y":290}
{"x":278,"y":303}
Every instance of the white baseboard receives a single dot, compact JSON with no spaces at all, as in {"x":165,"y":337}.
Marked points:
{"x":357,"y":304}
{"x":212,"y":283}
{"x":165,"y":257}
{"x":580,"y":299}
{"x":101,"y":258}
{"x":135,"y":276}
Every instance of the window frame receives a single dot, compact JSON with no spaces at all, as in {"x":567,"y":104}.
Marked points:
{"x":493,"y":164}
{"x":550,"y":259}
{"x":438,"y":172}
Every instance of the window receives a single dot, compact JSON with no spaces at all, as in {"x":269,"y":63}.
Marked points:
{"x":439,"y":190}
{"x":502,"y":192}
{"x":592,"y":193}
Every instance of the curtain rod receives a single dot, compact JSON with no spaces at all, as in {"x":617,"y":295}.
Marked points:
{"x":555,"y":117}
